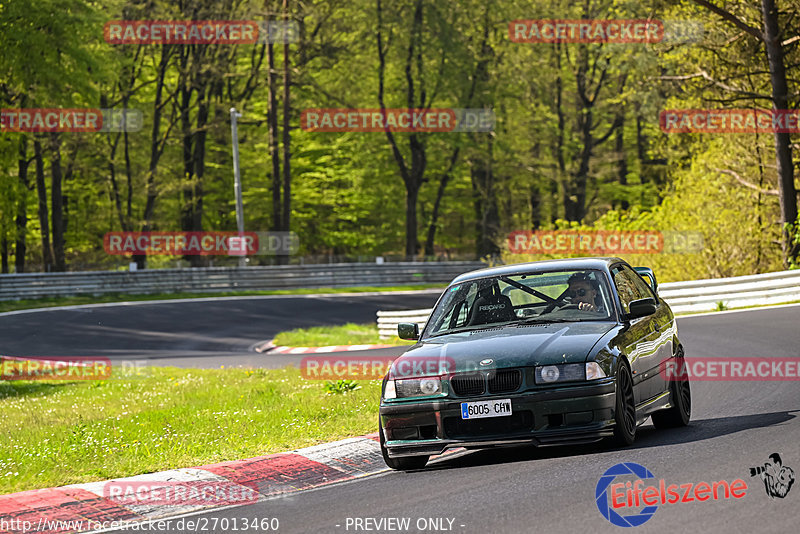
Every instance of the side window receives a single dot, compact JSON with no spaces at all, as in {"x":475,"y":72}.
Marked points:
{"x":626,"y":287}
{"x":466,"y":307}
{"x":458,"y":313}
{"x":643,"y":287}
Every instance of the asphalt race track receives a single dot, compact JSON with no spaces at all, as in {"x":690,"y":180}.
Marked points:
{"x":191,"y":333}
{"x":735,"y":426}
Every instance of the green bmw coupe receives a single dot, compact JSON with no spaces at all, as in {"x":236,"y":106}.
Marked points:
{"x":546,"y":353}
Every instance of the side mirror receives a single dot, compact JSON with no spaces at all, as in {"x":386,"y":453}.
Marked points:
{"x":408,"y":331}
{"x":649,"y":276}
{"x":641,"y":308}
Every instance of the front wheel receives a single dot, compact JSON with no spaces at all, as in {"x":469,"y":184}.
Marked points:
{"x":681,"y":410}
{"x":625,"y":413}
{"x":406,"y":463}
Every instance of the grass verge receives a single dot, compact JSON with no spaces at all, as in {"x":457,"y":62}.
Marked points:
{"x":323,"y":336}
{"x":55,"y":433}
{"x":48,"y":302}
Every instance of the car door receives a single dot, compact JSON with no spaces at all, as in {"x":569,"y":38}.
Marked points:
{"x":641,"y":338}
{"x":662,"y":323}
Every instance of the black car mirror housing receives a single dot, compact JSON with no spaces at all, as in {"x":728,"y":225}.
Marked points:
{"x":641,"y":308}
{"x":409,"y":331}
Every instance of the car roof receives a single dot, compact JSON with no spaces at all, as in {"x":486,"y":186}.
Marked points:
{"x":570,"y":264}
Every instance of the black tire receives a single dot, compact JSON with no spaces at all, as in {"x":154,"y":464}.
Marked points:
{"x":406,"y":463}
{"x":625,"y":411}
{"x":681,"y":399}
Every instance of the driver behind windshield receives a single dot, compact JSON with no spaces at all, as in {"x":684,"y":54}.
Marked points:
{"x":583,"y":292}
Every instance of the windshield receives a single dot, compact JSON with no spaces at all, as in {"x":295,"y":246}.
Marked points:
{"x":559,"y":296}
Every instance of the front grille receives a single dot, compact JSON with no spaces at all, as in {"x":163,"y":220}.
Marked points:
{"x":467,"y":384}
{"x":516,"y":423}
{"x":505,"y":380}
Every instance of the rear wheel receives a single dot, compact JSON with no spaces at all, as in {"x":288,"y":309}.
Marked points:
{"x":406,"y":463}
{"x":681,"y":410}
{"x":625,"y":413}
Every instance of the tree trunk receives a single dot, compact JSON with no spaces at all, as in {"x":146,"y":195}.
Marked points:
{"x":413,"y":176}
{"x":444,"y":180}
{"x":20,"y":247}
{"x":486,"y":212}
{"x":287,"y":175}
{"x":560,"y":148}
{"x":412,"y":196}
{"x":129,"y":180}
{"x":4,"y":253}
{"x":199,"y":160}
{"x":622,"y":161}
{"x":156,"y":149}
{"x":579,"y":192}
{"x":44,"y":224}
{"x":480,"y":73}
{"x":783,"y":149}
{"x":272,"y":127}
{"x":187,"y":200}
{"x":57,"y":203}
{"x":771,"y":36}
{"x":536,"y":208}
{"x":112,"y":175}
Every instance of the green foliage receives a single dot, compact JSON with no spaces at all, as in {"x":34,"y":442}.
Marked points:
{"x":340,"y":387}
{"x":348,"y":198}
{"x":793,"y":230}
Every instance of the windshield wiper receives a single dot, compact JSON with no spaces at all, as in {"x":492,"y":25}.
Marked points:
{"x":539,"y":320}
{"x":474,"y":328}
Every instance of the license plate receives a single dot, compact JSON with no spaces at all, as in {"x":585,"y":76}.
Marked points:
{"x":489,"y":408}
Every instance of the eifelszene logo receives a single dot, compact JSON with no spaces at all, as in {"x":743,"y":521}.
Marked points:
{"x":613,"y":498}
{"x":777,"y":478}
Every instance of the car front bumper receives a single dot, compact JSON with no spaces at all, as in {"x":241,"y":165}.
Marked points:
{"x":569,"y":414}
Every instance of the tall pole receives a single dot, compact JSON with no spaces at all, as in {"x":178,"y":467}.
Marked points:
{"x":237,"y":180}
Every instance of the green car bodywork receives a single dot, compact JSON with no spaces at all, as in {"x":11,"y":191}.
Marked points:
{"x":607,"y":365}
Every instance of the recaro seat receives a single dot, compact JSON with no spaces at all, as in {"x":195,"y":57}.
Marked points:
{"x":491,"y":307}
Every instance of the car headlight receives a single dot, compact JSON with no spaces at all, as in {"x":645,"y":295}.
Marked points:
{"x":564,"y":372}
{"x":412,"y":387}
{"x":568,"y":372}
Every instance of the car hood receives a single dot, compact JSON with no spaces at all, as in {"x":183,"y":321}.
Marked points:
{"x":510,"y":346}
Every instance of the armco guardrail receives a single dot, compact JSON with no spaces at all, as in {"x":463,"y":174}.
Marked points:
{"x":388,"y":320}
{"x":737,"y":292}
{"x":217,"y":279}
{"x":683,"y":297}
